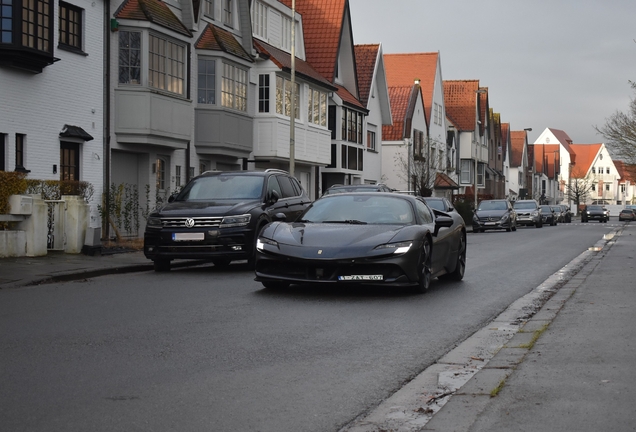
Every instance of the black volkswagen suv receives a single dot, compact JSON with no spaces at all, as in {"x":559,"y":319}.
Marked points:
{"x":218,"y":215}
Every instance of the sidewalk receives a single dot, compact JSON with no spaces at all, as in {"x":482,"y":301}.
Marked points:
{"x":578,"y":374}
{"x":60,"y":266}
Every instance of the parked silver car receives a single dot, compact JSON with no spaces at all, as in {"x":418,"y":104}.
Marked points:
{"x":528,"y":213}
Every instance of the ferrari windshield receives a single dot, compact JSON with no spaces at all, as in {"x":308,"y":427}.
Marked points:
{"x":239,"y":187}
{"x":360,"y":208}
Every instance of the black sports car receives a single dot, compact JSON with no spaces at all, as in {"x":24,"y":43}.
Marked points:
{"x":373,"y":238}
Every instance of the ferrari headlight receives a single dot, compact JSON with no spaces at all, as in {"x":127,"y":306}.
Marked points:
{"x":235,"y":221}
{"x":398,"y":248}
{"x":261,"y":242}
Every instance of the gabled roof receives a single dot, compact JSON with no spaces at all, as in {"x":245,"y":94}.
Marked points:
{"x":322,"y":25}
{"x":626,"y":171}
{"x":505,"y":127}
{"x":154,"y":11}
{"x":282,"y":59}
{"x":349,"y":99}
{"x":547,"y":158}
{"x":459,"y":100}
{"x":517,"y":143}
{"x":442,"y":181}
{"x":217,"y":39}
{"x":404,"y":69}
{"x":585,"y":155}
{"x":402,"y":101}
{"x":366,"y":58}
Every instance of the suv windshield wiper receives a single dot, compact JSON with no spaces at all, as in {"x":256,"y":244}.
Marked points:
{"x":347,"y":221}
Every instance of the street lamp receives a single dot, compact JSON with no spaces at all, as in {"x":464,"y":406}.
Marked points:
{"x":292,"y":117}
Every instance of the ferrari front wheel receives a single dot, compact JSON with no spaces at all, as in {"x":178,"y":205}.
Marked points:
{"x":425,"y":267}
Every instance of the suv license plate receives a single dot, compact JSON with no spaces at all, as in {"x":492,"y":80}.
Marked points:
{"x":188,"y":236}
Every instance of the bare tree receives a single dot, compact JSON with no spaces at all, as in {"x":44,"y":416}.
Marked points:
{"x":620,"y":132}
{"x":422,"y":170}
{"x":579,"y":188}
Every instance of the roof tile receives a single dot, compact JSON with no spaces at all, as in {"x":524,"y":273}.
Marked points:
{"x":366,"y":58}
{"x":217,"y":39}
{"x":404,"y":69}
{"x":154,"y":11}
{"x":460,"y":100}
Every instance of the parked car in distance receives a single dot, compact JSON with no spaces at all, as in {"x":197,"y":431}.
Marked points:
{"x":368,"y":238}
{"x":558,"y":212}
{"x":627,"y":214}
{"x":594,"y":212}
{"x":217,"y":216}
{"x":494,"y":214}
{"x":548,"y":215}
{"x":357,"y":188}
{"x":567,"y":213}
{"x":528,"y":213}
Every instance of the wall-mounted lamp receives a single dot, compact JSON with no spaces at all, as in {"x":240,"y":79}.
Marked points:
{"x":54,"y":169}
{"x":96,"y":156}
{"x":114,"y":25}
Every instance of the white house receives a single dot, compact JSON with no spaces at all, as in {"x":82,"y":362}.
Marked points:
{"x":51,"y":71}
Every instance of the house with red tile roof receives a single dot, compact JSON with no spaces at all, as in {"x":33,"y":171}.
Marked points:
{"x":330,"y":50}
{"x":466,"y":107}
{"x":627,"y":183}
{"x":560,"y":153}
{"x":594,"y":165}
{"x":519,"y":182}
{"x":404,"y":69}
{"x":374,"y":95}
{"x":271,"y":23}
{"x":404,"y":147}
{"x":546,"y":174}
{"x":495,"y":179}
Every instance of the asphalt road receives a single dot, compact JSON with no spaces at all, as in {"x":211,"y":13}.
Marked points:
{"x":208,"y":349}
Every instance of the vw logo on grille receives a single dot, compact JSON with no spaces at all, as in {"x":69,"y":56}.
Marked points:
{"x":189,"y":223}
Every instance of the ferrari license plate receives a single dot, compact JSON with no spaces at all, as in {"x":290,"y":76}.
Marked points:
{"x":188,"y":236}
{"x":361,"y":278}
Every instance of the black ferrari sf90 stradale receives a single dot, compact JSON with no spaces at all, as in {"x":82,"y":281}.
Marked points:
{"x":370,"y":238}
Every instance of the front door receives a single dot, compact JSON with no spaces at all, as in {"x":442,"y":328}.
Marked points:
{"x":69,"y":161}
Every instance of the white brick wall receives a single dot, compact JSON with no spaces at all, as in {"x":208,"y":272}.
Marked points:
{"x":67,"y":92}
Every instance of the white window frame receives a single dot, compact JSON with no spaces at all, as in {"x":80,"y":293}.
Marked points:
{"x":209,"y":8}
{"x":228,"y":13}
{"x":166,"y":64}
{"x":316,"y":107}
{"x":259,"y":19}
{"x":285,"y":37}
{"x":234,"y":87}
{"x":204,"y":81}
{"x":132,"y":56}
{"x":466,"y":175}
{"x":371,"y":140}
{"x":283,"y":97}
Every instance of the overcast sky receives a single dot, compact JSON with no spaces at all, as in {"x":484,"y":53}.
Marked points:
{"x":563,"y":64}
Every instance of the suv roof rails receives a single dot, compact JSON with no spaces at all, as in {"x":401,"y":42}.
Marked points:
{"x":276,"y":170}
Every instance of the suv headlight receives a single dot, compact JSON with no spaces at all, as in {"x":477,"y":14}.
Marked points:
{"x":535,"y":213}
{"x":154,"y":222}
{"x":235,"y":221}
